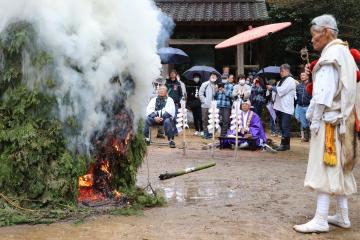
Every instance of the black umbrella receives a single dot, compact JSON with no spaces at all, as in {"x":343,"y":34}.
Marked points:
{"x":170,"y":55}
{"x":270,"y":72}
{"x":203,"y":71}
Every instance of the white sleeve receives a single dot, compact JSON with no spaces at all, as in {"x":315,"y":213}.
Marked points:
{"x":318,"y":112}
{"x":202,"y":92}
{"x":247,"y":93}
{"x":183,"y":88}
{"x":151,"y":106}
{"x":287,"y":86}
{"x":170,"y":107}
{"x":235,"y":90}
{"x":325,"y":85}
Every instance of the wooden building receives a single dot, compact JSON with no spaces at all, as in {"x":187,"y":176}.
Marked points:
{"x":201,"y":24}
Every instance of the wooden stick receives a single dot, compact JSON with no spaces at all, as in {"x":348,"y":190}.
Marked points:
{"x":185,"y":171}
{"x":237,"y":130}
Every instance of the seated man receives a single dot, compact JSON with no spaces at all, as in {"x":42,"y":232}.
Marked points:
{"x":250,"y":127}
{"x":161,"y":111}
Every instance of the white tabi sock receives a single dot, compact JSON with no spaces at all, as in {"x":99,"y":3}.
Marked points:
{"x":342,"y":201}
{"x":323,"y":203}
{"x":320,"y":221}
{"x":341,"y":218}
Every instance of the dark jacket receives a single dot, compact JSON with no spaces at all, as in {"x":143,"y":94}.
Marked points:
{"x":193,"y":101}
{"x":174,"y":90}
{"x":257,"y":95}
{"x":303,"y":98}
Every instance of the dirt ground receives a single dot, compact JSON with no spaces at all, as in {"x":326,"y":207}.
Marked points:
{"x":260,"y":195}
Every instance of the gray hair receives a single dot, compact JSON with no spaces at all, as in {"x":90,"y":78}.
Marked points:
{"x":163,"y":87}
{"x":285,"y":66}
{"x":326,"y":21}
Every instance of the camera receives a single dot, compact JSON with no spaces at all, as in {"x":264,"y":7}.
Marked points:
{"x":221,"y":85}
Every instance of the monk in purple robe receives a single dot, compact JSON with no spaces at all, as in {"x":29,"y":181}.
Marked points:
{"x":250,"y":129}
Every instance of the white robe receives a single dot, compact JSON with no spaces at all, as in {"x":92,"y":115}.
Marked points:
{"x":331,"y":81}
{"x":169,"y":106}
{"x":285,"y":96}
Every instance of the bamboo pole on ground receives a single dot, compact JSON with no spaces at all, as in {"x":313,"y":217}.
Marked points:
{"x":185,"y":171}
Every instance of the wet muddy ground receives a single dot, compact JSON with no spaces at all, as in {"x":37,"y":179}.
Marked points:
{"x":260,"y":195}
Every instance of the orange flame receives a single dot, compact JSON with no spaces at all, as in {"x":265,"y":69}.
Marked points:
{"x":105,"y":167}
{"x":117,"y":148}
{"x":86,"y":180}
{"x":117,"y":194}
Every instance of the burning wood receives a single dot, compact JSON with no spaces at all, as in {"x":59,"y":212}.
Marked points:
{"x":95,"y":187}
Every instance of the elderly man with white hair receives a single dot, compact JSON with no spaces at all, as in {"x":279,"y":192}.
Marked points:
{"x":334,"y":146}
{"x":161,"y":111}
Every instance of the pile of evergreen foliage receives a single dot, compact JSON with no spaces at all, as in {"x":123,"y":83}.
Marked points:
{"x":37,"y":170}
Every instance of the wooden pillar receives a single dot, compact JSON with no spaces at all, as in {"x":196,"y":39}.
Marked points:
{"x":240,"y":54}
{"x":165,"y":67}
{"x":240,"y":59}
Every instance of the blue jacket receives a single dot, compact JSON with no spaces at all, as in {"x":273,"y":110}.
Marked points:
{"x":303,"y":98}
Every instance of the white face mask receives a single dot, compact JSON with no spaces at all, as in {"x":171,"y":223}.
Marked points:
{"x":242,"y":82}
{"x":213,"y":79}
{"x":196,"y":79}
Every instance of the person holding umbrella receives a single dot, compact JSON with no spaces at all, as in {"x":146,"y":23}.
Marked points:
{"x":284,"y":94}
{"x":194,"y":104}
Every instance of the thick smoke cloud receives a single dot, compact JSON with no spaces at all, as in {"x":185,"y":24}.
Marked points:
{"x":91,"y":41}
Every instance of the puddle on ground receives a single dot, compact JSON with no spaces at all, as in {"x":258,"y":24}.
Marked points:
{"x":197,"y":191}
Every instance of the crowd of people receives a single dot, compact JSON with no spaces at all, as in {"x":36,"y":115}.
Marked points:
{"x":332,"y":109}
{"x":282,"y":99}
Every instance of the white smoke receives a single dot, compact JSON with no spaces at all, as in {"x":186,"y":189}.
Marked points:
{"x":102,"y":39}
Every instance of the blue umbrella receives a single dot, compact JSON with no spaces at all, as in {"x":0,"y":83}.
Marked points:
{"x":203,"y":71}
{"x":270,"y":72}
{"x":170,"y":55}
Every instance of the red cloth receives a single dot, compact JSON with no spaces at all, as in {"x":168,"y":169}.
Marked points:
{"x":356,"y":54}
{"x":312,"y":64}
{"x":309,"y":88}
{"x":357,"y":124}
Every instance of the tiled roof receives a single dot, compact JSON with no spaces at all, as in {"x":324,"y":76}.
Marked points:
{"x":214,"y":11}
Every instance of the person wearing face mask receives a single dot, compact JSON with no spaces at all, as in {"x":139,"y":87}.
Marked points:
{"x":194,"y":104}
{"x":206,"y":94}
{"x":241,"y":90}
{"x":333,"y":110}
